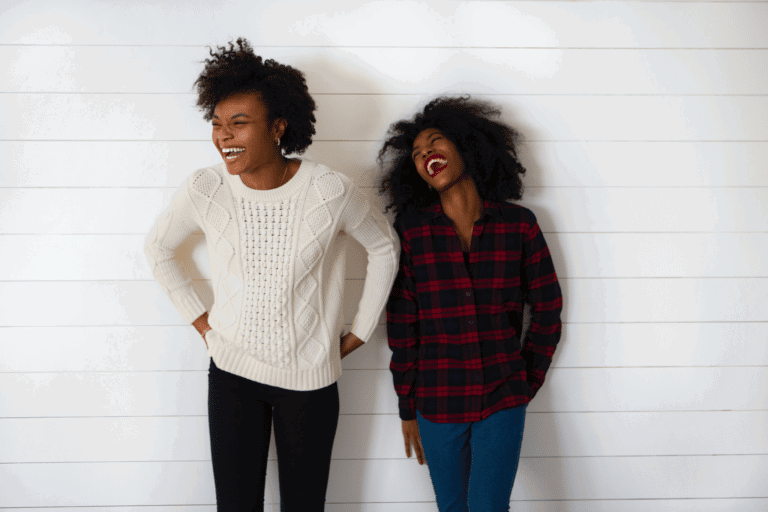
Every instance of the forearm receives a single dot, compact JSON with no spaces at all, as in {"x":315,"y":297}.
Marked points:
{"x":383,"y":250}
{"x":404,"y":364}
{"x":170,"y":231}
{"x":545,"y":297}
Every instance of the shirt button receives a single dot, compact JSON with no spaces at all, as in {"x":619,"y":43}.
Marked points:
{"x":469,"y":294}
{"x":471,"y":322}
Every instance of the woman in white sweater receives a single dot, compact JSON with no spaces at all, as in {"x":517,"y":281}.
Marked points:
{"x":274,"y":229}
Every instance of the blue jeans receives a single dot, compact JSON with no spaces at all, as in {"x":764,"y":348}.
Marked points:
{"x":473,"y":465}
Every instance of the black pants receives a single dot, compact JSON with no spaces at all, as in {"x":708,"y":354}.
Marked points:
{"x":240,"y":414}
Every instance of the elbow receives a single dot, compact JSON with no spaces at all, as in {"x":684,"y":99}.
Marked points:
{"x":150,"y":249}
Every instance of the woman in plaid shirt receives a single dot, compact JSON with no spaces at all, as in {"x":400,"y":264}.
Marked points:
{"x":469,"y":262}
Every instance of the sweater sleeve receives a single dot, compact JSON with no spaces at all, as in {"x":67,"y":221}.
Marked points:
{"x":372,"y":230}
{"x":540,"y":283}
{"x":169,"y":232}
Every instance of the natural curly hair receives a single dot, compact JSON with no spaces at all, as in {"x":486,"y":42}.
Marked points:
{"x":283,"y":89}
{"x":486,"y":145}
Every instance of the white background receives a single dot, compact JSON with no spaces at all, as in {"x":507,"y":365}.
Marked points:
{"x":646,"y":147}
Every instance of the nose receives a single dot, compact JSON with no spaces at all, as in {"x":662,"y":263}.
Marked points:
{"x":224,"y":133}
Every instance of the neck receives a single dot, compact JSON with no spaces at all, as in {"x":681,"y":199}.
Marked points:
{"x":461,"y":202}
{"x":269,"y":176}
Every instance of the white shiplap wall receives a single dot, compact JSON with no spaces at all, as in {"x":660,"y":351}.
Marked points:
{"x":647,"y":145}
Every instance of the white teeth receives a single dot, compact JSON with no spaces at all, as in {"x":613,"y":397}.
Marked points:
{"x":233,"y":152}
{"x":438,"y":161}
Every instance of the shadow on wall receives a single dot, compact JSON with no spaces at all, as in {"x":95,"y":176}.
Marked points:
{"x":542,"y":473}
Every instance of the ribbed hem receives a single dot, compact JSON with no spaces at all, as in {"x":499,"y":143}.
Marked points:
{"x":233,"y":360}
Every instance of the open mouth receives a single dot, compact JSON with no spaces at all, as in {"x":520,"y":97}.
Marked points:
{"x":435,"y":164}
{"x":232,"y":153}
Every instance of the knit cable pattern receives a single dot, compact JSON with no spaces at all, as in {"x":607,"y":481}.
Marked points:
{"x":207,"y":189}
{"x":323,"y":189}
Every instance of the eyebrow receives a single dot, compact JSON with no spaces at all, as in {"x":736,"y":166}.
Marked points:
{"x":240,"y":114}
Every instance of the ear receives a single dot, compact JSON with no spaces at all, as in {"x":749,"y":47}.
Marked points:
{"x":279,"y":126}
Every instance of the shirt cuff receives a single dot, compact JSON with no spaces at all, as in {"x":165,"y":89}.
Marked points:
{"x":407,"y":407}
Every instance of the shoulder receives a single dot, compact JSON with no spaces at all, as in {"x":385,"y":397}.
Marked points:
{"x":329,"y":179}
{"x":515,"y":213}
{"x":207,"y":180}
{"x":411,"y":222}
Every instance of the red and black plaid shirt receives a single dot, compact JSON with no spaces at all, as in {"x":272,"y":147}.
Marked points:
{"x":454,"y":334}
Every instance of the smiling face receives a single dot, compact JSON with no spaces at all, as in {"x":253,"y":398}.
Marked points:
{"x":437,"y":160}
{"x":243,"y":134}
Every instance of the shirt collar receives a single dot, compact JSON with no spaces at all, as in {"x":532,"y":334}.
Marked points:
{"x":489,"y":209}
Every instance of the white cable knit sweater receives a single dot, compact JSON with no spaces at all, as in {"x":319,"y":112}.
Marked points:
{"x":277,"y":261}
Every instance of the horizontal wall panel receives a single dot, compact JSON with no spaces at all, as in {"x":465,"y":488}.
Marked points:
{"x":641,"y":478}
{"x":644,"y":164}
{"x":93,"y":257}
{"x":378,"y":436}
{"x":102,"y":349}
{"x":576,"y":118}
{"x":550,"y":164}
{"x":104,"y":211}
{"x":162,"y":508}
{"x":652,"y":389}
{"x":387,"y":481}
{"x":650,"y":255}
{"x":115,"y":257}
{"x":598,"y":210}
{"x":179,"y":348}
{"x":643,"y":434}
{"x":599,"y":255}
{"x":153,"y":164}
{"x":664,"y":300}
{"x":644,"y":505}
{"x":139,"y":349}
{"x":371,"y":392}
{"x":352,"y":23}
{"x":662,"y":344}
{"x":158,"y":69}
{"x":109,"y":484}
{"x":585,"y":301}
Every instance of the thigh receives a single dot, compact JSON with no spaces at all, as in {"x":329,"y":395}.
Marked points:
{"x":305,"y":426}
{"x":447,"y":448}
{"x":496,"y":443}
{"x":239,"y":421}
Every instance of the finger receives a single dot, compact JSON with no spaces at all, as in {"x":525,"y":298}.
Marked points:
{"x":407,"y":446}
{"x":420,"y":452}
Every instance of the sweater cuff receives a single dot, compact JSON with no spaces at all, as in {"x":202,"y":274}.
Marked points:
{"x":363,"y":330}
{"x":191,"y":307}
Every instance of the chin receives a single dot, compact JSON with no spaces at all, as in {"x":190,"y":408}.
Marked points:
{"x":234,"y":171}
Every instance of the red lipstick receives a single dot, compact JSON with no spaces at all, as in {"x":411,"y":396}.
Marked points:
{"x":435,"y":163}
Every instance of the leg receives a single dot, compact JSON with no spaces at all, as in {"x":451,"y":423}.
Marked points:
{"x":305,"y":426}
{"x":496,"y":443}
{"x":446,"y":446}
{"x":239,"y":424}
